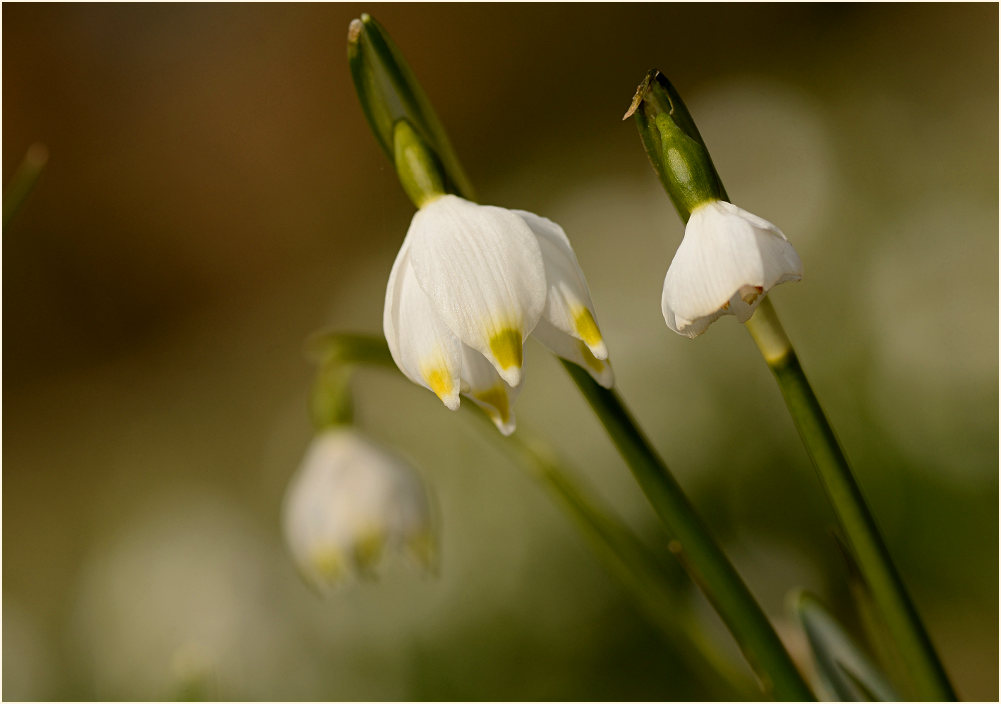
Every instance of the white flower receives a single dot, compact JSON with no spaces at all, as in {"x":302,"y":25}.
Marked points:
{"x":727,"y":262}
{"x":348,"y":501}
{"x":470,"y":284}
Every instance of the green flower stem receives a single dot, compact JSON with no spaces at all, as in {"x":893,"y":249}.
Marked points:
{"x":870,"y":552}
{"x":330,"y":404}
{"x":695,"y":547}
{"x":615,"y":545}
{"x":629,"y":559}
{"x":336,"y":355}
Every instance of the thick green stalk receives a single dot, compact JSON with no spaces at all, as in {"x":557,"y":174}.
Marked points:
{"x":695,"y":547}
{"x":873,"y":558}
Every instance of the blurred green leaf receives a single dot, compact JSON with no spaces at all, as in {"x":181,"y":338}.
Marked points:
{"x":25,"y":178}
{"x":844,"y":668}
{"x":874,"y":629}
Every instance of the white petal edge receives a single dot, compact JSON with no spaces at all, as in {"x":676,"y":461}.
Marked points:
{"x":568,"y":301}
{"x":482,"y":269}
{"x":727,"y":261}
{"x":423,"y":347}
{"x":574,"y":350}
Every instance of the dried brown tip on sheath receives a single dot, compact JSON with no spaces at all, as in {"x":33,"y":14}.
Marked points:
{"x":354,"y":30}
{"x":641,"y":91}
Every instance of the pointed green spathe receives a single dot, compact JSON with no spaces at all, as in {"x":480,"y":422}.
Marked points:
{"x":389,"y":92}
{"x":673,"y":143}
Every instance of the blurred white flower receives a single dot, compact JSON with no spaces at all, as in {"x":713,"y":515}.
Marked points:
{"x":727,"y":262}
{"x":347,"y":502}
{"x":470,"y":283}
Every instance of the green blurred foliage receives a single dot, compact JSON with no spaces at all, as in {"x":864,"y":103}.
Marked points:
{"x":213,"y":196}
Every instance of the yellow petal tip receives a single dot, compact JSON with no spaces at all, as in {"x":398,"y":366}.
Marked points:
{"x":506,"y":348}
{"x":442,"y":383}
{"x":496,"y":403}
{"x":327,"y":564}
{"x":587,"y":330}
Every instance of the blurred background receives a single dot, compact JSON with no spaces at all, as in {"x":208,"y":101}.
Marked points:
{"x":213,"y":196}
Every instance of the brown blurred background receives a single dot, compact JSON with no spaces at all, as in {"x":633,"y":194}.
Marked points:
{"x":213,"y":196}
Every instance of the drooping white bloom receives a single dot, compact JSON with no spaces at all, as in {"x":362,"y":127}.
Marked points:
{"x":727,"y":262}
{"x":348,"y":501}
{"x":469,"y":285}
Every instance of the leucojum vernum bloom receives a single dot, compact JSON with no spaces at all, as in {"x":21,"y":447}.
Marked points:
{"x":350,"y":500}
{"x":729,"y":258}
{"x":470,"y":283}
{"x":727,"y":261}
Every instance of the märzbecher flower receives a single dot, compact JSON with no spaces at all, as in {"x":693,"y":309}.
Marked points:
{"x":727,"y":261}
{"x":470,"y":283}
{"x":348,"y":501}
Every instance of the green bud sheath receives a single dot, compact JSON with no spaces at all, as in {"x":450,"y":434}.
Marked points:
{"x":389,"y":92}
{"x":674,"y":145}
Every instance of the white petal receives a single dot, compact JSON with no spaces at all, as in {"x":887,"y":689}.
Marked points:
{"x":422,"y":346}
{"x":483,"y":386}
{"x":572,"y":349}
{"x":568,"y":301}
{"x":482,"y":269}
{"x":727,"y":261}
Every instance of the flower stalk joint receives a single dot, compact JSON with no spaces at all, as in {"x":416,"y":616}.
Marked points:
{"x":421,"y":173}
{"x":330,"y":402}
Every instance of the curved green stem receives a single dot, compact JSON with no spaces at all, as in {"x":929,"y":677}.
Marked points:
{"x":389,"y":93}
{"x":629,"y":559}
{"x":877,"y":568}
{"x":616,"y":546}
{"x":695,"y":547}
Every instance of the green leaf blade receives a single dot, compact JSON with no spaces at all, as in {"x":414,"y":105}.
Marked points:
{"x":844,"y":668}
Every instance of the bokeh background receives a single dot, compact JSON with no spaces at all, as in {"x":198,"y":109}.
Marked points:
{"x":213,"y":196}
